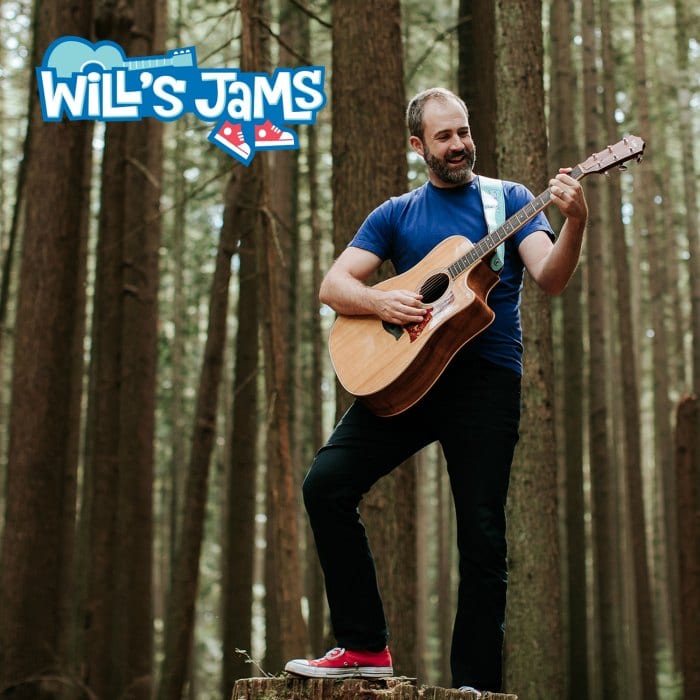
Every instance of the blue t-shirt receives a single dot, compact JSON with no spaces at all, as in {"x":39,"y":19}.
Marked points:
{"x":405,"y":229}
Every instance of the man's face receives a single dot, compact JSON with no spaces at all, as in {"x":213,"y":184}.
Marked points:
{"x":447,"y":146}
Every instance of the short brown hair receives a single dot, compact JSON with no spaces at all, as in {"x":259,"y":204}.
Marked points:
{"x":414,"y":112}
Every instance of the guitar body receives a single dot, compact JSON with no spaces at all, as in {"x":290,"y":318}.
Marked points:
{"x":390,"y":367}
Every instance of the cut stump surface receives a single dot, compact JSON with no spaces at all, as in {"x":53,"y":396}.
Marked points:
{"x":399,"y":688}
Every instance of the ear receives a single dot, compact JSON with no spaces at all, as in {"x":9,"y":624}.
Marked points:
{"x":417,"y":145}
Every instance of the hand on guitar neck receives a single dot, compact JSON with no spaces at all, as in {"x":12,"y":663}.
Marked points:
{"x":552,"y":265}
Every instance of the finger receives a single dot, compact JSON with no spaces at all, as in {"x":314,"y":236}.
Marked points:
{"x":557,"y":191}
{"x":566,"y":179}
{"x":409,"y":299}
{"x":413,"y":313}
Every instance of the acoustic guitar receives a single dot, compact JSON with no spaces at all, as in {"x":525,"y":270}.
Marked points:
{"x":390,"y":367}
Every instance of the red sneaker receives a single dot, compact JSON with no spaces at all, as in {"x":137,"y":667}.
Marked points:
{"x":231,"y":138}
{"x":342,"y":663}
{"x":269,"y":136}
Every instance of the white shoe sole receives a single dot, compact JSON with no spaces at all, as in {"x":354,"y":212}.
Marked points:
{"x":301,"y":668}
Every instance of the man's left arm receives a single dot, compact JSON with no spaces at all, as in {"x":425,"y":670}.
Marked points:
{"x":551,"y":264}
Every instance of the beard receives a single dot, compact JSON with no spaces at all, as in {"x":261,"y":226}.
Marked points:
{"x":452,"y":175}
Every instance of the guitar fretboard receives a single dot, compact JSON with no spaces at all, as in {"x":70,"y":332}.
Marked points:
{"x":490,"y":242}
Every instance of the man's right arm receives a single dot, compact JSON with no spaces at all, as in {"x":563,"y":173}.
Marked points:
{"x":345,"y":291}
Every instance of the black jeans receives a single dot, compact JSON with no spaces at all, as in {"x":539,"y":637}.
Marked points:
{"x":473,"y":410}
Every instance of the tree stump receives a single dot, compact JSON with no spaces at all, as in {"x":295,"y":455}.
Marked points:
{"x":399,"y":688}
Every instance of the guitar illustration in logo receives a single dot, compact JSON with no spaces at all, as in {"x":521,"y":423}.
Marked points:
{"x":76,"y":55}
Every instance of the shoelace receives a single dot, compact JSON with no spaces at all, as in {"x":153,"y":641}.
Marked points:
{"x":336,"y":651}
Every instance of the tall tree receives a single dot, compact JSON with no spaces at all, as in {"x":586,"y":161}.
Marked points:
{"x":642,"y":647}
{"x":476,"y":31}
{"x":240,"y":499}
{"x":281,"y":334}
{"x":363,"y":177}
{"x":314,"y":575}
{"x":179,"y":622}
{"x":688,"y":494}
{"x":286,"y":633}
{"x":564,"y":150}
{"x":119,"y":482}
{"x":284,"y":195}
{"x":534,"y":657}
{"x":604,"y":493}
{"x":690,"y":180}
{"x":36,"y":559}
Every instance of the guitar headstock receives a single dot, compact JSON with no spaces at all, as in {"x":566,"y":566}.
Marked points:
{"x":614,"y":156}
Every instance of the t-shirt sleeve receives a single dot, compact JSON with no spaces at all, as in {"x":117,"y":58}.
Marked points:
{"x":517,"y":196}
{"x":376,"y":232}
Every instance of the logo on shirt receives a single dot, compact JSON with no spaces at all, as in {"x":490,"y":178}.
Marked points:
{"x":250,"y":112}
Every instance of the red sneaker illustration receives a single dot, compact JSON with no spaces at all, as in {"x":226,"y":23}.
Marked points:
{"x":268,"y":136}
{"x":231,"y":138}
{"x":344,"y":663}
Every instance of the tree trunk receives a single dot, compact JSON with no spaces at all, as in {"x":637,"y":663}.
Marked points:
{"x":173,"y":487}
{"x":285,"y":630}
{"x":688,"y":494}
{"x":363,"y":177}
{"x":476,"y":31}
{"x":646,"y":642}
{"x":534,"y":650}
{"x":314,"y":575}
{"x":606,"y":555}
{"x":179,"y":622}
{"x":36,"y":559}
{"x":564,"y":151}
{"x":120,"y":461}
{"x":690,"y":179}
{"x":326,"y":689}
{"x":446,"y":588}
{"x":284,"y":205}
{"x":239,"y":522}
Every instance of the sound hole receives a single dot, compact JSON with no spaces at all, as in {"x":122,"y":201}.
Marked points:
{"x":434,"y":287}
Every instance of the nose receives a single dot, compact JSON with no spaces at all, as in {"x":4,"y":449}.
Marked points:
{"x":456,"y":143}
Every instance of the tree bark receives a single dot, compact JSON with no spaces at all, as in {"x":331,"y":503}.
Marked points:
{"x":325,"y":689}
{"x":690,"y":178}
{"x":606,"y":556}
{"x":240,"y":506}
{"x":642,"y":646}
{"x":688,"y":494}
{"x":368,"y":90}
{"x":565,"y":151}
{"x":476,"y":32}
{"x":120,"y":459}
{"x":314,"y":575}
{"x":37,"y":553}
{"x":179,"y":622}
{"x":534,"y":650}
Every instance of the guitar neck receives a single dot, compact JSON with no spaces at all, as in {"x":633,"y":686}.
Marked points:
{"x":511,"y":226}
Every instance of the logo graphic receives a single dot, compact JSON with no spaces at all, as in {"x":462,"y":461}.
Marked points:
{"x":251,"y":112}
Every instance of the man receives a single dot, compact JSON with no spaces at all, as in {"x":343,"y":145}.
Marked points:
{"x":473,"y":409}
